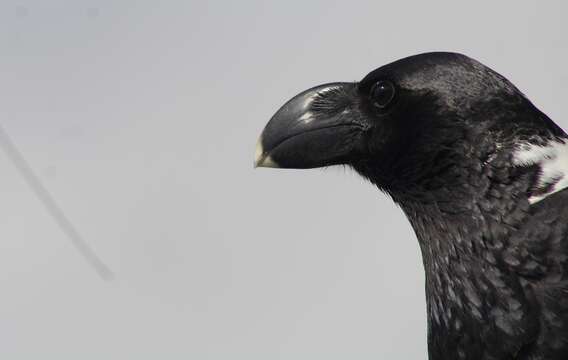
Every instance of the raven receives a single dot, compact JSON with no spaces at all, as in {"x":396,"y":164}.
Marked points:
{"x":480,"y":173}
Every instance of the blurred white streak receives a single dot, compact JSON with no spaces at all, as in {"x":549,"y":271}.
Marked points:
{"x":51,"y":206}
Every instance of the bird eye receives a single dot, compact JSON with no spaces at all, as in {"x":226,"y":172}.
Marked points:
{"x":382,"y":93}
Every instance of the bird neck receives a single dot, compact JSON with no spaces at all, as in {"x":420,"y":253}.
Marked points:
{"x":465,"y":231}
{"x":463,"y":211}
{"x":466,"y":282}
{"x":467,"y":213}
{"x":464,"y":203}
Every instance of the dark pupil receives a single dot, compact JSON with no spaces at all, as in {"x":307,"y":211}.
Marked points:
{"x":382,"y":93}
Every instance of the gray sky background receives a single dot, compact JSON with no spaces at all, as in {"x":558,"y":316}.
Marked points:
{"x":141,"y":118}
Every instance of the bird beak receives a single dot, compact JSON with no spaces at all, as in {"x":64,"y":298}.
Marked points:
{"x":318,"y":127}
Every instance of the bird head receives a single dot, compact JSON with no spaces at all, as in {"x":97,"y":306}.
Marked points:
{"x":414,"y":125}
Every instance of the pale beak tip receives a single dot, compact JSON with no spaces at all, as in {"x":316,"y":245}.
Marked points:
{"x":261,"y":159}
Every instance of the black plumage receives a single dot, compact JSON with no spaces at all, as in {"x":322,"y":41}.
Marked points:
{"x":480,"y":173}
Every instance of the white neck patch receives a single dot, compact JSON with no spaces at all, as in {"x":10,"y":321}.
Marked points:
{"x":553,"y":161}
